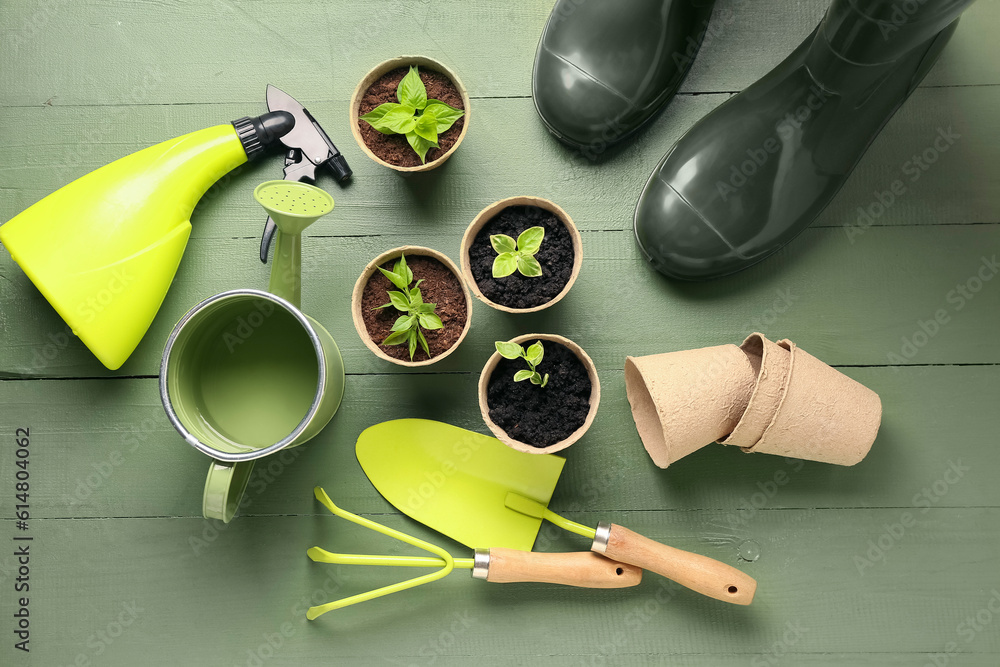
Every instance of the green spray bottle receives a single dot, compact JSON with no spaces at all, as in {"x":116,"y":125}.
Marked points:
{"x":104,"y":249}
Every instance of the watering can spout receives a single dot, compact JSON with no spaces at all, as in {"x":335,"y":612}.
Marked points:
{"x":104,"y":249}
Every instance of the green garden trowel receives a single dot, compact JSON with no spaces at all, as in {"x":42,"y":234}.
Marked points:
{"x":478,"y":491}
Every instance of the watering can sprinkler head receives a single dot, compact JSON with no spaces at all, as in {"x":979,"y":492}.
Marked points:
{"x":292,"y":206}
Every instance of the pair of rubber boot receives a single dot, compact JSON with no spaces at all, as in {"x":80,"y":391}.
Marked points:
{"x":750,"y":176}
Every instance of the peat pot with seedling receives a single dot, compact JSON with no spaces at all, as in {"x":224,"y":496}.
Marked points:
{"x":411,"y":307}
{"x":521,"y":254}
{"x":539,"y":393}
{"x":410,"y":113}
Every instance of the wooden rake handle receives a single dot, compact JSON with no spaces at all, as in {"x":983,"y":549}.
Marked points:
{"x":699,"y":573}
{"x":581,"y":568}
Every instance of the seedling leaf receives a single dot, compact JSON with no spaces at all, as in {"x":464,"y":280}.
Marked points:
{"x":394,"y":278}
{"x":376,"y":116}
{"x":533,"y":355}
{"x":412,"y":339}
{"x":430,"y":322}
{"x":396,"y":337}
{"x":508,"y":350}
{"x":530,"y":240}
{"x":528,"y":266}
{"x":411,"y":90}
{"x":504,"y":264}
{"x":400,"y":120}
{"x":423,"y":342}
{"x":503,"y":243}
{"x":444,"y":114}
{"x":420,"y":145}
{"x":426,"y":128}
{"x":404,"y":270}
{"x":399,"y":301}
{"x":403,"y":323}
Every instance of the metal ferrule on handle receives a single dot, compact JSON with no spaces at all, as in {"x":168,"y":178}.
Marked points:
{"x":481,"y":564}
{"x":601,"y":537}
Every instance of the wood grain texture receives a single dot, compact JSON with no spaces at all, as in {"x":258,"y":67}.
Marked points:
{"x":572,"y":568}
{"x":178,"y":52}
{"x":884,"y":563}
{"x":822,"y":291}
{"x":51,"y":146}
{"x":105,"y":448}
{"x":700,"y":573}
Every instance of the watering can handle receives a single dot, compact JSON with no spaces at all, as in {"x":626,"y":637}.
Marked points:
{"x":699,"y":573}
{"x":224,"y":489}
{"x":584,"y":569}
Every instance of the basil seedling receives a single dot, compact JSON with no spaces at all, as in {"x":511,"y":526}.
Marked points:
{"x":419,"y":118}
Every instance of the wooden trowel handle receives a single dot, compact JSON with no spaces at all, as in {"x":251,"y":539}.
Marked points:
{"x":582,"y":568}
{"x":699,"y":573}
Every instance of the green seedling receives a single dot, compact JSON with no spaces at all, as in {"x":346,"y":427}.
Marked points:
{"x":518,"y":255}
{"x":532,"y":356}
{"x":418,"y":315}
{"x":419,"y":118}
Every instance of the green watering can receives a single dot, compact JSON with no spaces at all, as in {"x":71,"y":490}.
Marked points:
{"x":245,"y":373}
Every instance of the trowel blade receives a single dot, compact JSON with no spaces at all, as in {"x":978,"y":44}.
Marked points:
{"x":455,"y":481}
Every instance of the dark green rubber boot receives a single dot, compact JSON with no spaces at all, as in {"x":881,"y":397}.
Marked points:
{"x":605,"y":67}
{"x":750,"y":176}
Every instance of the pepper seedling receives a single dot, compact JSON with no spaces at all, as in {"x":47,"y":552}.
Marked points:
{"x":422,"y":120}
{"x":518,"y":255}
{"x":409,"y":300}
{"x":532,"y":356}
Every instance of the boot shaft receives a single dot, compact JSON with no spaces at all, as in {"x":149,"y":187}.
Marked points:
{"x":872,"y":32}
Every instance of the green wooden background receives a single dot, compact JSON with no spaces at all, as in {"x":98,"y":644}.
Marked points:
{"x":124,"y":571}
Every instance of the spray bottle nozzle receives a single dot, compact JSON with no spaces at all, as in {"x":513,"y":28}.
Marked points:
{"x":341,"y":170}
{"x":258,"y":133}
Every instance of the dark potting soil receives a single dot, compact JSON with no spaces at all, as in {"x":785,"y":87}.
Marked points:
{"x":555,"y":256}
{"x":540,"y":416}
{"x":394,"y":148}
{"x":440,"y":286}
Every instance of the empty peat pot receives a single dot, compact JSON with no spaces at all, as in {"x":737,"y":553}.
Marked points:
{"x":378,"y":86}
{"x":558,"y":414}
{"x":761,"y":396}
{"x":560,"y":255}
{"x":441,"y":285}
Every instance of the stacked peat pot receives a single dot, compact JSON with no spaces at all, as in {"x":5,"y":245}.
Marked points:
{"x":764,"y":397}
{"x":522,"y":255}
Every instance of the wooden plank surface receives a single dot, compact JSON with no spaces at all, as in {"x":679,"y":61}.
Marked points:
{"x":107,"y":449}
{"x":892,"y":562}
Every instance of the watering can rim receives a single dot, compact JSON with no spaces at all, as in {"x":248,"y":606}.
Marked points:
{"x":235,"y":457}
